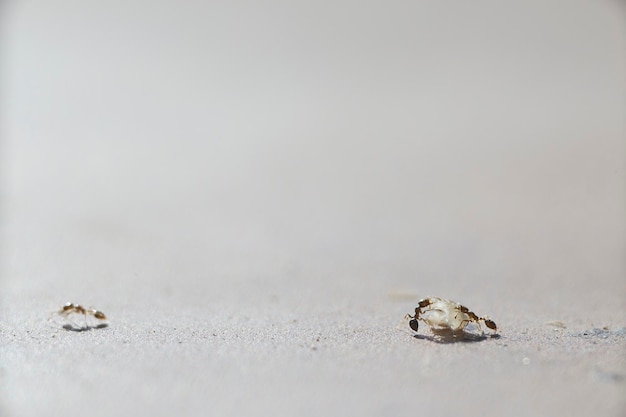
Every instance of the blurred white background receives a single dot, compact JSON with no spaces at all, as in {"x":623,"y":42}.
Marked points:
{"x":406,"y":143}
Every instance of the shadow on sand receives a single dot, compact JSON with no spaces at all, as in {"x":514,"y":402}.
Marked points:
{"x":71,"y":328}
{"x":448,"y":336}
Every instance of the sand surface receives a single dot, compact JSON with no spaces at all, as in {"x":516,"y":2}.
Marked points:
{"x":256,"y":196}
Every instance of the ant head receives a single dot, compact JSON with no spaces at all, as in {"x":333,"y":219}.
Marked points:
{"x":424,"y":303}
{"x":68,"y":307}
{"x":491,"y":324}
{"x":413,"y":325}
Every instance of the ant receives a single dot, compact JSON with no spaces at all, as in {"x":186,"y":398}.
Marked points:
{"x":70,"y":309}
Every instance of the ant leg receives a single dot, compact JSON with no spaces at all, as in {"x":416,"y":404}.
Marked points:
{"x":472,"y":317}
{"x":480,"y":327}
{"x":463,"y":325}
{"x":475,"y":319}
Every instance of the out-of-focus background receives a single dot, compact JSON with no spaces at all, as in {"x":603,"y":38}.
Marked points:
{"x":176,"y":161}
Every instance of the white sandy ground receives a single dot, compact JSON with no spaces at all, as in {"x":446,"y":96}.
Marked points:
{"x":314,"y":336}
{"x":256,"y":194}
{"x":271,"y":360}
{"x":266,"y":359}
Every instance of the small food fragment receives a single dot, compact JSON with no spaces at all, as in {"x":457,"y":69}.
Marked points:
{"x":556,"y":324}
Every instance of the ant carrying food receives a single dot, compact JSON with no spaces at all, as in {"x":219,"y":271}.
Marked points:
{"x":445,"y":316}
